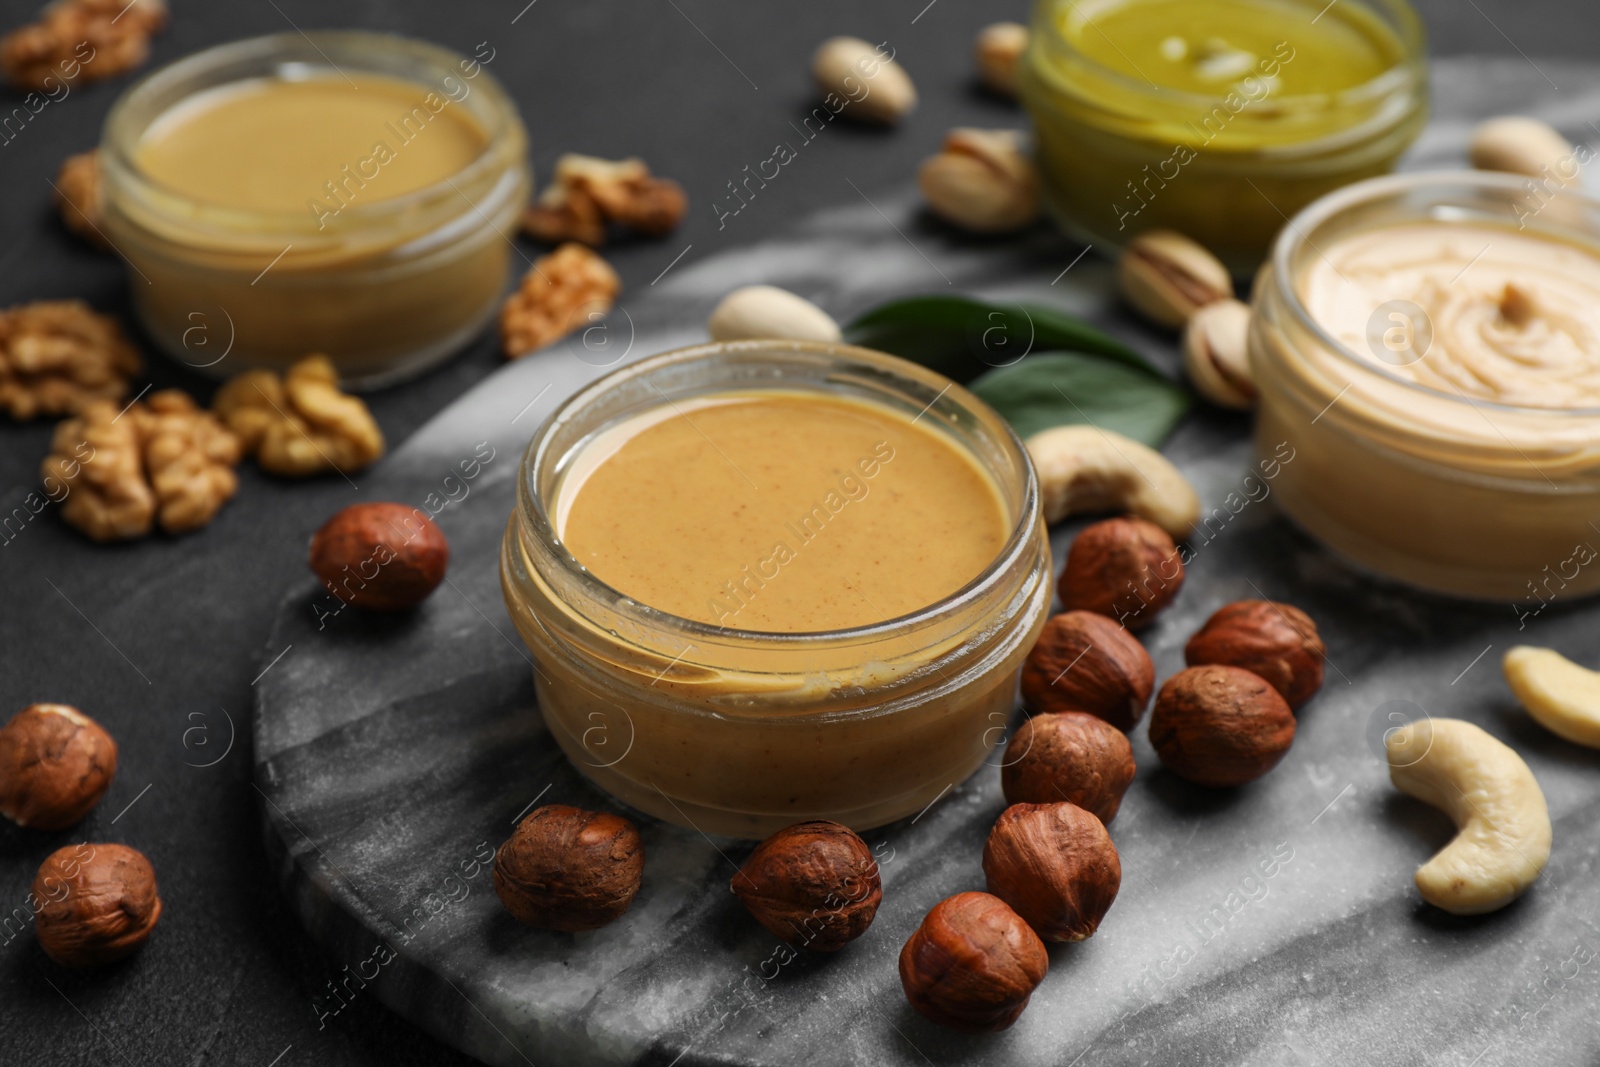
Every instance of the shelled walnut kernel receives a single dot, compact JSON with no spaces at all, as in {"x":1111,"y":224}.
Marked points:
{"x":301,"y":424}
{"x":87,"y":40}
{"x":160,"y":460}
{"x":189,"y":457}
{"x":589,"y":192}
{"x":77,"y":197}
{"x":57,"y":356}
{"x":561,"y":291}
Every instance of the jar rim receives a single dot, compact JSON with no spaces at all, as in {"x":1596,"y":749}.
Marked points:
{"x":275,"y":51}
{"x":1408,"y":71}
{"x":1296,"y":236}
{"x":533,"y":515}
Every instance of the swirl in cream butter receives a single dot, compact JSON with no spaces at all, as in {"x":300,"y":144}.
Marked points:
{"x":1506,"y":316}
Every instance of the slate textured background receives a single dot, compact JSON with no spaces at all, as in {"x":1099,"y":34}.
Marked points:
{"x":166,"y":635}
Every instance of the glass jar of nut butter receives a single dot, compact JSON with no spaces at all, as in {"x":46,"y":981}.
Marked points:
{"x":1216,"y":118}
{"x":346,"y":193}
{"x":773,"y":581}
{"x":1427,"y":351}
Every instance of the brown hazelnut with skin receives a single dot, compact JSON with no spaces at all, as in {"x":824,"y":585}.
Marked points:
{"x":380,"y":556}
{"x":55,"y":765}
{"x":1056,"y":866}
{"x":1071,"y":756}
{"x":1220,"y":726}
{"x":569,"y":869}
{"x":97,"y":903}
{"x":1086,"y":662}
{"x":814,"y":885}
{"x":972,"y":964}
{"x":1127,"y":569}
{"x":1279,"y":642}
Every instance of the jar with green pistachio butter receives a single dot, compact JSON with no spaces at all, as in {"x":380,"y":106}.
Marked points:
{"x":1216,"y":118}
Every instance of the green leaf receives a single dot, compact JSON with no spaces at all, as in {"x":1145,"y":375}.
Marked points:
{"x":1060,"y":388}
{"x":963,"y":338}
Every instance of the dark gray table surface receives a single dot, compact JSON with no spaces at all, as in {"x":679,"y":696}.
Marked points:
{"x":165,"y":635}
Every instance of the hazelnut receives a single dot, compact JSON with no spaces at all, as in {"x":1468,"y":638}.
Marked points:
{"x":813,"y":884}
{"x":1086,"y":662}
{"x":381,"y":557}
{"x":1055,"y":865}
{"x":1279,"y":642}
{"x":1221,"y":726}
{"x":972,"y":964}
{"x":55,"y":765}
{"x":1127,"y":569}
{"x":94,"y":908}
{"x":1069,"y":756}
{"x":569,"y":869}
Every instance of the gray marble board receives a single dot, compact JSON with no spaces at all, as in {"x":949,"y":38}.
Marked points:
{"x":1272,"y":925}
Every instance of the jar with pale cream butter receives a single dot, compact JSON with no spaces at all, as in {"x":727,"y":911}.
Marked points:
{"x":1427,"y":348}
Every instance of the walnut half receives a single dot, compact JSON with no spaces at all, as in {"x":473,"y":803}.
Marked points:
{"x":164,"y":460}
{"x":97,"y":457}
{"x":302,"y":424}
{"x":189,"y":457}
{"x":559,"y":293}
{"x":56,"y":356}
{"x":77,"y":196}
{"x":81,"y":39}
{"x":589,"y":192}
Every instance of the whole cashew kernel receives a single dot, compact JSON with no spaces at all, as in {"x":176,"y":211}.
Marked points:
{"x":1085,"y":468}
{"x":1561,"y":696}
{"x":1503,"y":838}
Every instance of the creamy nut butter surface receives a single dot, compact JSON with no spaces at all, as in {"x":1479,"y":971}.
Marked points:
{"x":780,"y":512}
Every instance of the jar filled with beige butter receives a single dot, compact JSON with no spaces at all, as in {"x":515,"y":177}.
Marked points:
{"x":1427,"y":349}
{"x":772,"y":581}
{"x":347,"y":193}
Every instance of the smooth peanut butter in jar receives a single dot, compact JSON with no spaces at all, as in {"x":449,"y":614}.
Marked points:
{"x":317,"y":144}
{"x":1427,"y":349}
{"x":347,"y":194}
{"x":835,"y":513}
{"x":768,"y":581}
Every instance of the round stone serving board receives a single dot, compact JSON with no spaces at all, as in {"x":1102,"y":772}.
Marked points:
{"x":1273,"y":925}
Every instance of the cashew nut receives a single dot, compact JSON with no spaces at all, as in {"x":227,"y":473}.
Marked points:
{"x":1503,"y":837}
{"x":1085,"y":468}
{"x":1561,"y":696}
